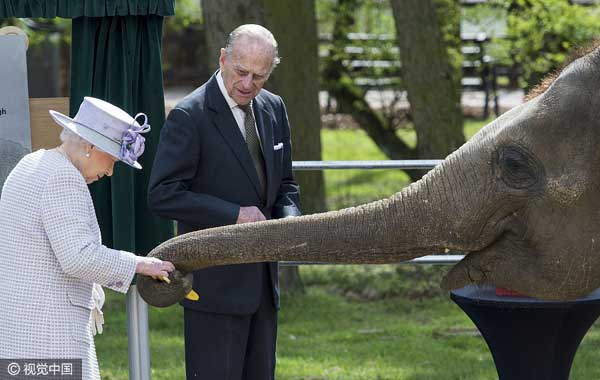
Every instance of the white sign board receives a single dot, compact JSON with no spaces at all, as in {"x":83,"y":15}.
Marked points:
{"x":15,"y":134}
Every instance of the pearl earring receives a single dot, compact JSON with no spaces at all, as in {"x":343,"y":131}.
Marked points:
{"x":87,"y":155}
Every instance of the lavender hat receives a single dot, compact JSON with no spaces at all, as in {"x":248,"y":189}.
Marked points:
{"x":108,"y":128}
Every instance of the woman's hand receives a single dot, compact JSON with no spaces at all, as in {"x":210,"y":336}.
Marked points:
{"x":151,"y":266}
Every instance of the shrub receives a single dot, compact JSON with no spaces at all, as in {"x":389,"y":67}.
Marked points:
{"x":542,"y":33}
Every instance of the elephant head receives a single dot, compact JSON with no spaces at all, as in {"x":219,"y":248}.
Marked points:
{"x":521,"y":199}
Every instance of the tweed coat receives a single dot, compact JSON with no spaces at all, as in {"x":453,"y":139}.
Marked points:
{"x":51,"y":255}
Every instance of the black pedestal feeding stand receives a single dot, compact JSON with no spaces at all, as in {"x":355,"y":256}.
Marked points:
{"x":529,"y":339}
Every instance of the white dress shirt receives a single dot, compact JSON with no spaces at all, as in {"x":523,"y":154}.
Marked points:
{"x":237,"y":112}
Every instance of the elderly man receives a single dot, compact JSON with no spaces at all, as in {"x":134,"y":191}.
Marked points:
{"x":224,"y":157}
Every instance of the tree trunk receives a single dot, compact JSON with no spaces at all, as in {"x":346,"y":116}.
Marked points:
{"x":351,"y":98}
{"x":434,"y":98}
{"x":221,"y":18}
{"x":430,"y":81}
{"x":296,"y":79}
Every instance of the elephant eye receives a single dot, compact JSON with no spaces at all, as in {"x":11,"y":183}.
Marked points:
{"x":518,"y":168}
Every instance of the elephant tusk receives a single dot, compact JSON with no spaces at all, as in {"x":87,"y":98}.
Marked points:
{"x":192,"y":296}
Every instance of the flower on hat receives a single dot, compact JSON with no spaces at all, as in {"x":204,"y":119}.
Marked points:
{"x":132,"y":143}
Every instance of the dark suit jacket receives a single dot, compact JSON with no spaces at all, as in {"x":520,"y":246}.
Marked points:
{"x":203,"y":173}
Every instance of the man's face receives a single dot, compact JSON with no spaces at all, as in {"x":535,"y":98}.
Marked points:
{"x":245,"y":71}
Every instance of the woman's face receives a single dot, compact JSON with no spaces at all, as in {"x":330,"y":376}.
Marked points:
{"x":97,"y":165}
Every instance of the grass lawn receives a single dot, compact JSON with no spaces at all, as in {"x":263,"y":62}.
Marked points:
{"x":329,"y":334}
{"x":354,"y":322}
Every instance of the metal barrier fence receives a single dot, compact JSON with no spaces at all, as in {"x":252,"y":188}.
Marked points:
{"x":389,"y":164}
{"x":137,"y":309}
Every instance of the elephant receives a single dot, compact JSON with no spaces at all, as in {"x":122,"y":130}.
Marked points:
{"x":521,"y":199}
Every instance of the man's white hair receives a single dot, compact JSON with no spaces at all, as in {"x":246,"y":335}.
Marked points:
{"x":255,"y":34}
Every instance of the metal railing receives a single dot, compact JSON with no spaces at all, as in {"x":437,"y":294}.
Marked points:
{"x":387,"y":164}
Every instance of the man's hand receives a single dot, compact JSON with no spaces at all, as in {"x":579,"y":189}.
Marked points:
{"x":250,"y":214}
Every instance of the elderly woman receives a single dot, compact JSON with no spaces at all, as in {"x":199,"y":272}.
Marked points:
{"x":50,"y":246}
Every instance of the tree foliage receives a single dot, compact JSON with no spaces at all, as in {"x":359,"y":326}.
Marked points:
{"x":39,"y":29}
{"x":542,"y":33}
{"x":538,"y":35}
{"x":187,"y":15}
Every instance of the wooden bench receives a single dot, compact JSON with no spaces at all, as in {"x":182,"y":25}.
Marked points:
{"x":374,"y":62}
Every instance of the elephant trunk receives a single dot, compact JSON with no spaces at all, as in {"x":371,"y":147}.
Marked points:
{"x":453,"y":207}
{"x":418,"y":221}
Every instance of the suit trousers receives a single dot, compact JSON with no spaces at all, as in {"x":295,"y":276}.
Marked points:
{"x":232,"y":347}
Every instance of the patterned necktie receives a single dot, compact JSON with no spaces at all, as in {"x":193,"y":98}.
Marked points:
{"x":253,"y":143}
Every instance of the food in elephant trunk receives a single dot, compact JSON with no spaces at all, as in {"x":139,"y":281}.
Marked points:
{"x":521,"y":199}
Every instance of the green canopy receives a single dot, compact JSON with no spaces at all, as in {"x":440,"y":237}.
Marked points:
{"x":118,"y":59}
{"x":116,"y":56}
{"x":87,"y":8}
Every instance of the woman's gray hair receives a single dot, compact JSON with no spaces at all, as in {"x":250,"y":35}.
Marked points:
{"x":70,"y":137}
{"x":257,"y":34}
